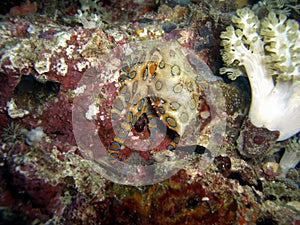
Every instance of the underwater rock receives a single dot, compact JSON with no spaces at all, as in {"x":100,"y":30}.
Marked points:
{"x":168,"y":27}
{"x":255,"y":141}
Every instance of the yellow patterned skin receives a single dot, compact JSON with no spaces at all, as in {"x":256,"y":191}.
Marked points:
{"x":161,"y":79}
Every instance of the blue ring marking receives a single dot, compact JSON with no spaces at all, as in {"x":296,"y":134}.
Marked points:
{"x":190,"y":86}
{"x":132,"y":74}
{"x":145,"y":74}
{"x":134,"y":119}
{"x":113,"y":157}
{"x":175,"y":70}
{"x":203,"y":86}
{"x":117,"y":148}
{"x":140,"y":105}
{"x":171,"y":147}
{"x":192,"y":103}
{"x":154,"y":58}
{"x":184,"y":117}
{"x":153,"y":97}
{"x":177,"y":88}
{"x":129,"y":117}
{"x":134,"y":101}
{"x":152,"y":128}
{"x":114,"y":116}
{"x":127,"y":97}
{"x":124,"y":89}
{"x":152,"y":136}
{"x":134,"y":86}
{"x":174,"y":105}
{"x":125,"y":69}
{"x":127,"y":58}
{"x":172,"y":53}
{"x":135,"y":61}
{"x":143,"y":104}
{"x":122,"y":133}
{"x":154,"y":49}
{"x":153,"y":76}
{"x":149,"y":111}
{"x":124,"y":66}
{"x":161,"y":64}
{"x":152,"y":121}
{"x":161,"y":111}
{"x":171,"y":121}
{"x":158,"y":85}
{"x":199,"y":77}
{"x":176,"y":139}
{"x":118,"y":104}
{"x":123,"y":77}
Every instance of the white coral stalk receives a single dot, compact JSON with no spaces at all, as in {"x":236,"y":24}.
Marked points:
{"x":270,"y":53}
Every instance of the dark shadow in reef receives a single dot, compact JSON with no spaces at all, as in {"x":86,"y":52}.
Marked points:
{"x":31,"y":92}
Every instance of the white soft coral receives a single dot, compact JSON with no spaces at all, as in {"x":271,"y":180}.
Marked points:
{"x":270,"y":53}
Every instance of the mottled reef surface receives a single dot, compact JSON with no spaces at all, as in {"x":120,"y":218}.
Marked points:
{"x":59,"y":94}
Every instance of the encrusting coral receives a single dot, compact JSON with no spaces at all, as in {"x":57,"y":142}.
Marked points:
{"x":269,"y":51}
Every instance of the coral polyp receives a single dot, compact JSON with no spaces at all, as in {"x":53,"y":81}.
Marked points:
{"x":13,"y":132}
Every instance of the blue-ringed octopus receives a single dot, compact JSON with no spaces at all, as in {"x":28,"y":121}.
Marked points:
{"x":160,"y":83}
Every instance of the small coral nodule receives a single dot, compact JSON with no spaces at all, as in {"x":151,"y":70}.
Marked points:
{"x":34,"y":136}
{"x":13,"y":132}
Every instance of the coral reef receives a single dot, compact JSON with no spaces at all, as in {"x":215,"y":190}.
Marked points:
{"x":64,"y":188}
{"x":68,"y":65}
